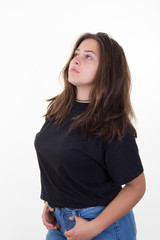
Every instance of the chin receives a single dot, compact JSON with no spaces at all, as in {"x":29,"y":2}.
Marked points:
{"x":73,"y":81}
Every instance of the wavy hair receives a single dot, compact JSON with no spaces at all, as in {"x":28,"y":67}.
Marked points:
{"x":109,"y":112}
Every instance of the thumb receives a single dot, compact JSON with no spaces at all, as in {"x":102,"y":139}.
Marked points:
{"x":51,"y":209}
{"x":76,"y":218}
{"x":71,"y":218}
{"x":68,"y":233}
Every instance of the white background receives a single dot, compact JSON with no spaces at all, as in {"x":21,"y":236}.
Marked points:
{"x":36,"y":38}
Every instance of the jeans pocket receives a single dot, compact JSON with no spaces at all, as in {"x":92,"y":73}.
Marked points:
{"x":91,"y":212}
{"x":69,"y":223}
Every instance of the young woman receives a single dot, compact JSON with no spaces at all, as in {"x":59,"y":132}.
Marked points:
{"x":87,"y":150}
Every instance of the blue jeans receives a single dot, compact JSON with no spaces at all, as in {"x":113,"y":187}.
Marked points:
{"x":123,"y":229}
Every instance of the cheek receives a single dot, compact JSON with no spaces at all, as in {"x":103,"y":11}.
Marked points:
{"x":91,"y":72}
{"x":69,"y":66}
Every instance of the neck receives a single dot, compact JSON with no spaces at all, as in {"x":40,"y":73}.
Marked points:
{"x":83,"y":93}
{"x":82,"y":101}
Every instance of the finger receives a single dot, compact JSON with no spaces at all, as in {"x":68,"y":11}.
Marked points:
{"x":71,"y":218}
{"x":51,"y":227}
{"x":76,"y":218}
{"x":47,"y":224}
{"x":51,"y":209}
{"x":54,"y":227}
{"x":68,"y":233}
{"x":57,"y":225}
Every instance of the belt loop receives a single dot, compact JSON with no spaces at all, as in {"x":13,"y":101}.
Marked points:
{"x":73,"y":214}
{"x":77,"y":213}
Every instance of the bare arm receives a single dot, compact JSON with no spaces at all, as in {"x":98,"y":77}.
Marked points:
{"x":127,"y":198}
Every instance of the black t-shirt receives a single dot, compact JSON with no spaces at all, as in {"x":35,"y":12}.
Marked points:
{"x":78,"y":174}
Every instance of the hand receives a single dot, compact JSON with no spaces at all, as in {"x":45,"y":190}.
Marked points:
{"x":81,"y":231}
{"x":48,"y":218}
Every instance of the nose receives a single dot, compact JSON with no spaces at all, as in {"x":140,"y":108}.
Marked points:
{"x":77,"y":61}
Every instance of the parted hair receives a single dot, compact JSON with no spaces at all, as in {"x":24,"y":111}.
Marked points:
{"x":109,"y":112}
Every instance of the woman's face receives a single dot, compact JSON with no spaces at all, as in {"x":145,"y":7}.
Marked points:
{"x":84,"y":65}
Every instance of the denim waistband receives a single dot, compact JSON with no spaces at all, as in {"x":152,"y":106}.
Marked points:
{"x":64,"y":209}
{"x":89,"y":212}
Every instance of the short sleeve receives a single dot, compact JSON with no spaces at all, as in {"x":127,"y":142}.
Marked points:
{"x":122,"y":159}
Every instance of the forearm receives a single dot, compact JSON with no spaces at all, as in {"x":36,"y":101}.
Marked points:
{"x":127,"y":198}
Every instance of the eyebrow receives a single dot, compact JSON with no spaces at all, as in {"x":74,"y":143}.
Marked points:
{"x":87,"y":51}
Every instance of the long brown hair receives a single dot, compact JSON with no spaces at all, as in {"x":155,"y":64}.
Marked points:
{"x":109,"y":112}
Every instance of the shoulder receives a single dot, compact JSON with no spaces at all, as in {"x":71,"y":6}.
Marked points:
{"x":127,"y":139}
{"x":126,"y":147}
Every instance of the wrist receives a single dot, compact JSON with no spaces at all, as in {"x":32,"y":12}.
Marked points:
{"x":95,"y":227}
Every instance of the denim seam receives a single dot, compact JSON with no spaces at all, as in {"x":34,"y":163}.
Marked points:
{"x":67,"y":221}
{"x":116,"y":230}
{"x":61,"y":221}
{"x":132,"y":224}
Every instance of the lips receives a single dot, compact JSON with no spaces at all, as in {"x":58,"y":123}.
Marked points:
{"x":74,"y":70}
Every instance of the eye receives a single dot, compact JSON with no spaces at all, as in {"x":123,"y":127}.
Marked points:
{"x":88,"y":57}
{"x":75,"y":55}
